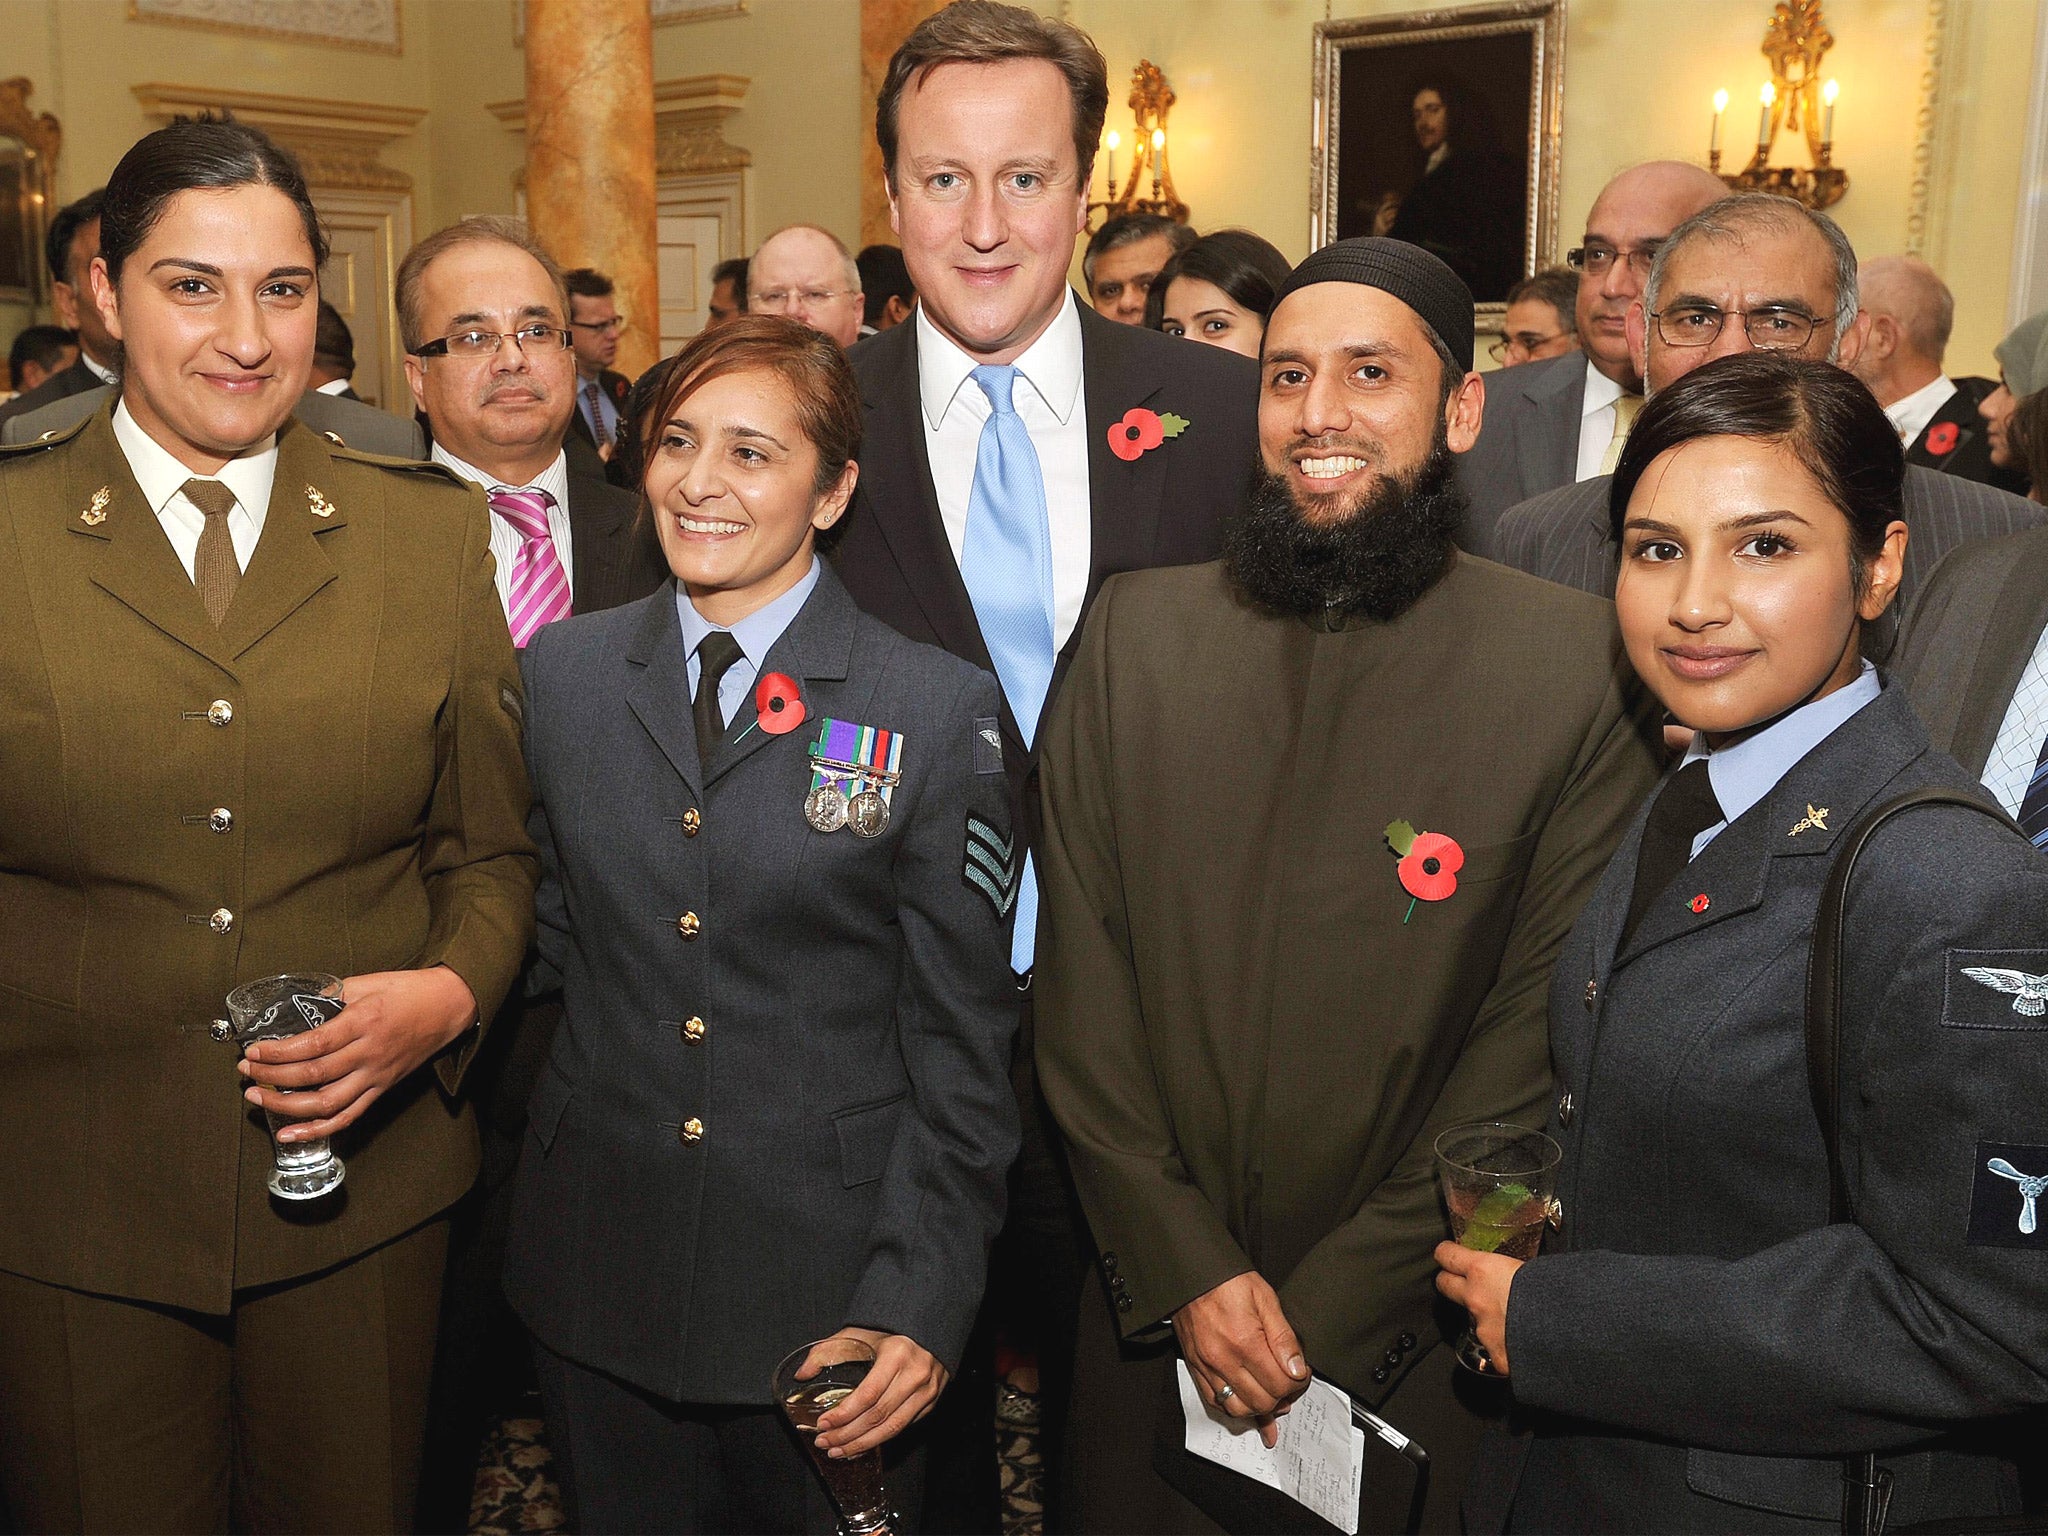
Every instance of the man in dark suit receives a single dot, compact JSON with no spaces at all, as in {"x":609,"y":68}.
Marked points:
{"x":1552,"y":422}
{"x":1016,"y":456}
{"x":1911,"y":314}
{"x":1750,"y":271}
{"x":334,"y":355}
{"x":69,"y":247}
{"x":595,"y":323}
{"x":1258,"y":772}
{"x":1975,"y":667}
{"x":563,"y":543}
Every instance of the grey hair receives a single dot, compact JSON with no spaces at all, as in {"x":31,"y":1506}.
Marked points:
{"x":852,"y":273}
{"x":1733,"y":218}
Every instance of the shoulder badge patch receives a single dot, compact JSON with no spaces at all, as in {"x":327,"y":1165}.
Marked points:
{"x":1996,"y":989}
{"x":988,"y":746}
{"x":2005,"y":1198}
{"x":992,"y":868}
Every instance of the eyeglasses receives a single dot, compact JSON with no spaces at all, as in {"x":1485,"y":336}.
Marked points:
{"x":610,"y":327}
{"x":1598,"y":260}
{"x":537,"y":337}
{"x":1775,"y":328}
{"x":782,"y":298}
{"x":1524,"y":344}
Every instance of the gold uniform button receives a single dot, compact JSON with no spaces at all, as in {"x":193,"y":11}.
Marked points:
{"x":692,"y":1131}
{"x":688,"y":926}
{"x":222,"y":920}
{"x":220,"y":819}
{"x":220,"y":712}
{"x":694,"y":1031}
{"x":692,"y":822}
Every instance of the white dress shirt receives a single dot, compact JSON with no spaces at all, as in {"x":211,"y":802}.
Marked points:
{"x":1050,"y":398}
{"x":162,"y":479}
{"x":505,"y":539}
{"x":1596,"y":421}
{"x":1746,"y":772}
{"x":2018,"y":745}
{"x":1912,"y":414}
{"x":336,"y":387}
{"x":104,"y":374}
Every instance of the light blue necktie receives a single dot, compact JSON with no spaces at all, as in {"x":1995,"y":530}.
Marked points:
{"x":1006,"y":562}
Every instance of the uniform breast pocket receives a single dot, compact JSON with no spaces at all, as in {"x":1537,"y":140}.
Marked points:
{"x":1488,"y":862}
{"x":867,"y":1135}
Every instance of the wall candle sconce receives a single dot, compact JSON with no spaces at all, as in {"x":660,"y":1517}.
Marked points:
{"x":1796,"y":39}
{"x":1151,"y":99}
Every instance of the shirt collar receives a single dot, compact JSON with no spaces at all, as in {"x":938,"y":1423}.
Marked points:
{"x":1601,"y":391}
{"x":554,"y":479}
{"x":1051,"y":365}
{"x":759,"y":630}
{"x":1911,"y":414}
{"x":332,"y":387}
{"x":161,"y":477}
{"x":1745,"y":773}
{"x":98,"y":369}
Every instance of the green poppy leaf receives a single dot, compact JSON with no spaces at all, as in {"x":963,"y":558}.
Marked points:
{"x":1173,"y":425}
{"x":1400,"y":837}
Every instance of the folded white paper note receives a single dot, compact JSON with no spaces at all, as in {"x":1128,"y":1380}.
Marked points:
{"x":1318,"y":1462}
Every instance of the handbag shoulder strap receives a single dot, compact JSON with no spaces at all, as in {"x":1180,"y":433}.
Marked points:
{"x":1824,"y":975}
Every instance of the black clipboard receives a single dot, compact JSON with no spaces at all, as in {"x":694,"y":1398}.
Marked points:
{"x":1244,"y":1507}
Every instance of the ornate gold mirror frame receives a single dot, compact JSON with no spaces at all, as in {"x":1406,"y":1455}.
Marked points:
{"x":28,"y":191}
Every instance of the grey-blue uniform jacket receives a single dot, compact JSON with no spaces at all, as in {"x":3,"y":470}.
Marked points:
{"x":1697,"y":1346}
{"x":778,"y":1103}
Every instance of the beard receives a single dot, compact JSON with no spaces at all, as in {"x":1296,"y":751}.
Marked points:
{"x":1377,"y":558}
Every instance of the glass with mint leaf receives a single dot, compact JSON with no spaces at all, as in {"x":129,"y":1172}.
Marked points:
{"x":1499,"y":1185}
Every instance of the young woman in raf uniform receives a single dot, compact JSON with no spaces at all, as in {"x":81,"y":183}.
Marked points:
{"x":778,"y":1106}
{"x":1701,"y":1348}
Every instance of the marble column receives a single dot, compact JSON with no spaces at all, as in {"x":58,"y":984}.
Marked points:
{"x":590,"y":152}
{"x":884,"y":24}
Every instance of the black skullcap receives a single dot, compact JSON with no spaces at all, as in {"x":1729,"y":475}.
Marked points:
{"x":1408,"y":272}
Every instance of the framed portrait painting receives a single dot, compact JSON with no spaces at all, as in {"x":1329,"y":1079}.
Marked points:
{"x":1442,"y":127}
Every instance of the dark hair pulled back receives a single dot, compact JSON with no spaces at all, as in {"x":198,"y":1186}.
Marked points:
{"x":196,"y":154}
{"x":1247,"y":267}
{"x":1821,"y":414}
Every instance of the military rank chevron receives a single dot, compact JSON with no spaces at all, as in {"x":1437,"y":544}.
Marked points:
{"x":993,"y":867}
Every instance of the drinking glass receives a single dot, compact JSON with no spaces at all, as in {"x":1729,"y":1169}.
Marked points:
{"x":1499,"y":1183}
{"x":276,"y":1008}
{"x":836,"y":1367}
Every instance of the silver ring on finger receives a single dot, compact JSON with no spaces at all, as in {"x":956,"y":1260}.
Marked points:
{"x":1225,"y":1393}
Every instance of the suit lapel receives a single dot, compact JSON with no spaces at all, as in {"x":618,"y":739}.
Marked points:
{"x":817,"y":647}
{"x":660,"y":697}
{"x":1548,"y":450}
{"x":896,"y":477}
{"x":289,"y":565}
{"x":2015,"y":626}
{"x":136,"y":564}
{"x":1124,"y":495}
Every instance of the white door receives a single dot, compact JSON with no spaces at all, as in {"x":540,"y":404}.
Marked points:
{"x":688,"y":250}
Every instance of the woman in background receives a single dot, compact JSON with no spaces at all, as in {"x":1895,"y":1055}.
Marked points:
{"x":1219,"y":291}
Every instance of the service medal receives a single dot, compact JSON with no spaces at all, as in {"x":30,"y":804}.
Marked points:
{"x":825,"y":808}
{"x":867,"y":813}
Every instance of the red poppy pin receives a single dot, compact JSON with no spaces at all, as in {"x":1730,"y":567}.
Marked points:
{"x":1141,"y":431}
{"x":1941,"y":438}
{"x":778,"y":704}
{"x":1429,"y":865}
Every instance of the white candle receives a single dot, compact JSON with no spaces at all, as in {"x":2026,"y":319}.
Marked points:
{"x":1720,"y":106}
{"x":1112,"y":141}
{"x":1828,"y":93}
{"x":1763,"y":120}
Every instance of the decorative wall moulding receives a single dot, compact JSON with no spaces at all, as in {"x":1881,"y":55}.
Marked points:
{"x":689,"y":123}
{"x":337,"y":142}
{"x":371,"y":25}
{"x":665,"y":12}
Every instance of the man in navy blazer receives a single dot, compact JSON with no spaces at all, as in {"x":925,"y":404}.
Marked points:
{"x":988,"y":122}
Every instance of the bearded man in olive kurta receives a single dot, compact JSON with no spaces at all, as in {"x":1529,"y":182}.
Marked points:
{"x":1254,"y":1017}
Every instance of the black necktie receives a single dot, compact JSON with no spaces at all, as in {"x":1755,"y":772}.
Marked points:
{"x":716,"y":653}
{"x":1685,"y":808}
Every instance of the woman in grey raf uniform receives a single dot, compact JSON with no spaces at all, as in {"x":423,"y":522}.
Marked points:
{"x":778,"y":1106}
{"x":1701,"y":1348}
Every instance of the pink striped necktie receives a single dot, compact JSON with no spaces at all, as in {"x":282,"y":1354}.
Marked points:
{"x":540,"y":587}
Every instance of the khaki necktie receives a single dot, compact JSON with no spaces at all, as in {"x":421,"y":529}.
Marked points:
{"x":214,"y":571}
{"x":1625,"y":409}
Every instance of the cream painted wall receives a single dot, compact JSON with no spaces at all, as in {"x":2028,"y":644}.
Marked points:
{"x":1241,"y":69}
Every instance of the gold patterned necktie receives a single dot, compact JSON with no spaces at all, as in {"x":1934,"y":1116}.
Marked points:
{"x":214,"y":570}
{"x":1625,"y":409}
